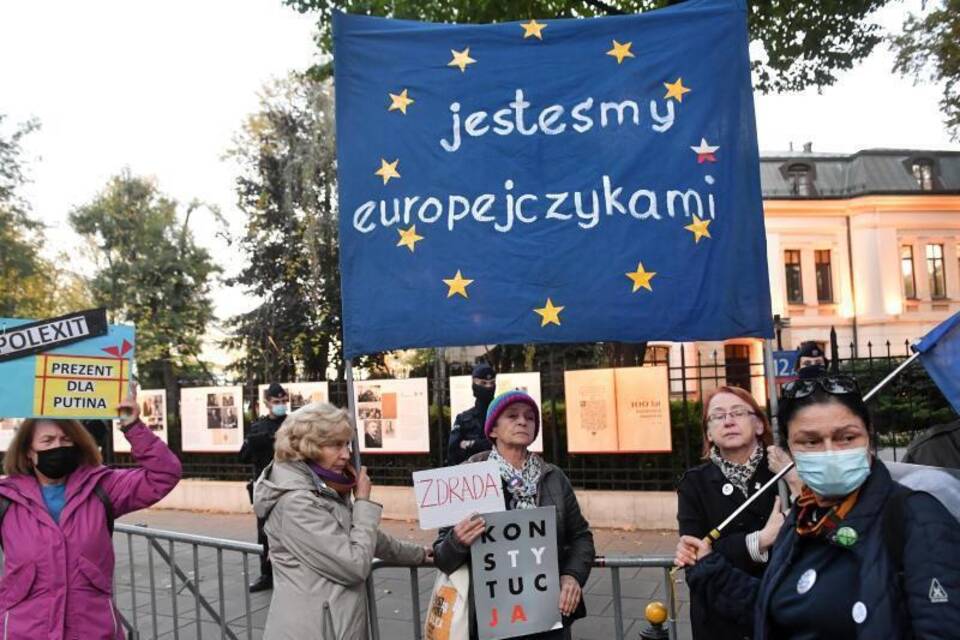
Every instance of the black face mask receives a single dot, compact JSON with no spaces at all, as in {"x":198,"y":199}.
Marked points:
{"x":483,"y":394}
{"x":811,"y":371}
{"x":59,"y":462}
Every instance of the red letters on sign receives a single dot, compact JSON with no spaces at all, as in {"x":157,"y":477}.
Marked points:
{"x":518,"y":614}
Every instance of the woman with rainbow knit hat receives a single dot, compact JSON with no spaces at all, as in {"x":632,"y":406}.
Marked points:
{"x":512,"y":423}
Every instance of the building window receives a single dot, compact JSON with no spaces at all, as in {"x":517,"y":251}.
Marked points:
{"x":737,"y":365}
{"x":824,"y":275}
{"x":800,"y":178}
{"x":938,"y":284}
{"x":906,"y":269}
{"x":656,"y":355}
{"x":923,"y":173}
{"x":791,"y":259}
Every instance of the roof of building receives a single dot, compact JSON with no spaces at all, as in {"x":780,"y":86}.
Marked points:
{"x":809,"y":175}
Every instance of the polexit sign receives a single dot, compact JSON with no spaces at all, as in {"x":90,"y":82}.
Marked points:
{"x":43,"y":335}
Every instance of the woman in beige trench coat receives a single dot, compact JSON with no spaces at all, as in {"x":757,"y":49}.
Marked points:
{"x":322,"y":542}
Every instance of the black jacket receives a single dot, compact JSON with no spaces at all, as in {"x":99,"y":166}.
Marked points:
{"x":574,"y":538}
{"x":257,"y":446}
{"x":898,"y":607}
{"x":468,"y":426}
{"x":938,"y":446}
{"x":702,"y":505}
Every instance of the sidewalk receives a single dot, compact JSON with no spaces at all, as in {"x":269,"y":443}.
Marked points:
{"x":638,"y":586}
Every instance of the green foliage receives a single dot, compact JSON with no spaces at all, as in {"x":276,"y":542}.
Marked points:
{"x":287,"y":189}
{"x":929,"y":47}
{"x":30,"y":285}
{"x":150,"y":273}
{"x":805,"y":42}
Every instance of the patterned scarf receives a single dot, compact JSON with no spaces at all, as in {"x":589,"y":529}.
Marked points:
{"x":523,"y":484}
{"x":738,"y":474}
{"x":820,"y":522}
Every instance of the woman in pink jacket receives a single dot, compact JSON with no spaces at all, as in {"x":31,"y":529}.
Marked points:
{"x":58,"y":552}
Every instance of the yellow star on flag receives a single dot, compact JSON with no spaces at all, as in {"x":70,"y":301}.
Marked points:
{"x":698,"y":229}
{"x":641,"y":278}
{"x":533,"y":29}
{"x":400,"y":102}
{"x":549,"y":313}
{"x":458,"y":285}
{"x":387,"y":170}
{"x":461,"y":59}
{"x":620,"y":51}
{"x":676,"y":90}
{"x":409,"y":238}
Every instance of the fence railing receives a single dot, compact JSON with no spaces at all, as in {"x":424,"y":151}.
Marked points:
{"x":909,"y":405}
{"x":206,"y":609}
{"x":211,"y":611}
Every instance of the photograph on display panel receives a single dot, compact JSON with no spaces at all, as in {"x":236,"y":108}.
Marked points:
{"x":8,"y":427}
{"x":624,"y":410}
{"x":212,"y":419}
{"x":153,"y":413}
{"x":300,"y":394}
{"x":393,"y":415}
{"x":461,"y":395}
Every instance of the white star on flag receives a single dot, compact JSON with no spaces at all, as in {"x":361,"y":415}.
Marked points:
{"x":705,"y":151}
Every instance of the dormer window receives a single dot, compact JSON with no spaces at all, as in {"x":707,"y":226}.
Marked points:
{"x":800,"y":179}
{"x":922,"y":169}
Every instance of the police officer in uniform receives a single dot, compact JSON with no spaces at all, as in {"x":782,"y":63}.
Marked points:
{"x":258,"y":450}
{"x":467,"y":437}
{"x":811,"y":361}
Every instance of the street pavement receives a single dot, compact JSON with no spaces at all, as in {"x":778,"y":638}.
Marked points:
{"x":158,"y":614}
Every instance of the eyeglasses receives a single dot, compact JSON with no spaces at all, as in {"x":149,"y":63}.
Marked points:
{"x":834,"y":385}
{"x":720,"y":418}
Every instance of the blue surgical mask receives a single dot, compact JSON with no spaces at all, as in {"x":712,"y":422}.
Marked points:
{"x":833,"y":474}
{"x":279,"y":410}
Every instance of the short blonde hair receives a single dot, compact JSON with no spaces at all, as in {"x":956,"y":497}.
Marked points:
{"x":17,"y":459}
{"x":308,"y":429}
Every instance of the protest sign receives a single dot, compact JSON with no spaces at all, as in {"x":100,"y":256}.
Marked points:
{"x":84,"y":379}
{"x":153,"y":413}
{"x":211,"y":419}
{"x":392,"y":415}
{"x":447,"y":495}
{"x":44,"y":335}
{"x":515,"y":575}
{"x":597,"y":180}
{"x":461,"y":395}
{"x":300,"y":393}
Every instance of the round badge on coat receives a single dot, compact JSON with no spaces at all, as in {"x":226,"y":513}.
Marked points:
{"x":806,"y":581}
{"x":846,"y":536}
{"x":727,"y":489}
{"x":859,"y":612}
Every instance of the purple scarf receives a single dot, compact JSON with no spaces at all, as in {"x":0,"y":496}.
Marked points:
{"x":341,"y":483}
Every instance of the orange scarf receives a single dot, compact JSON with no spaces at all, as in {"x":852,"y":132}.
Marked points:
{"x":811,"y":521}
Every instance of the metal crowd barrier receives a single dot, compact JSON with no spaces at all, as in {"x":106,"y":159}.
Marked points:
{"x":613,"y":563}
{"x":181,"y":580}
{"x":168,"y":547}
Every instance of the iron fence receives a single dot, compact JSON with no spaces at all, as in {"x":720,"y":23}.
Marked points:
{"x":910,"y":404}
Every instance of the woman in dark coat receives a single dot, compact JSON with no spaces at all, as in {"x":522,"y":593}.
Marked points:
{"x":735,"y":431}
{"x":859,"y":557}
{"x":512,"y":424}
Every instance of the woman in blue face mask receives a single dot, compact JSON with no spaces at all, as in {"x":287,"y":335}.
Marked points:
{"x":859,"y":556}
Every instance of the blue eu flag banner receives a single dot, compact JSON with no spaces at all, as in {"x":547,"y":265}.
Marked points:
{"x":940,"y":354}
{"x":549,"y":180}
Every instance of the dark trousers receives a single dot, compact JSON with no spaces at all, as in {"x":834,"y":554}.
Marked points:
{"x":266,"y":569}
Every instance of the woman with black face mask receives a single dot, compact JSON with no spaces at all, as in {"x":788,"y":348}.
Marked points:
{"x":57,"y":505}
